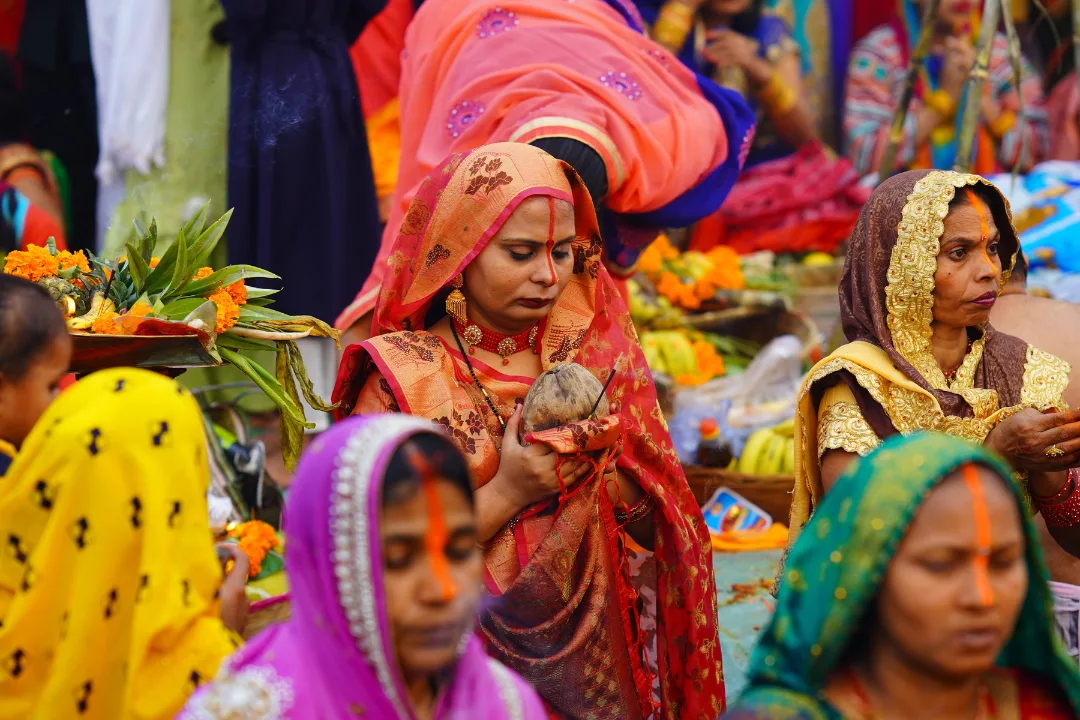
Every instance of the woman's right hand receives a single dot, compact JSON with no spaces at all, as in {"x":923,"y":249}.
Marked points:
{"x":1025,"y":437}
{"x":526,"y":472}
{"x":957,"y":64}
{"x":234,"y":601}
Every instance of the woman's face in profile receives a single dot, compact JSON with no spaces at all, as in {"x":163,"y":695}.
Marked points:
{"x":953,"y":591}
{"x":969,"y":265}
{"x":514,"y":281}
{"x":432,"y":574}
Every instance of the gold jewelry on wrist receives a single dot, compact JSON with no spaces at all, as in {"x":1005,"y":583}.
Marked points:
{"x":777,"y":96}
{"x":1002,"y":124}
{"x":941,"y":102}
{"x":634,"y":513}
{"x":673,"y":25}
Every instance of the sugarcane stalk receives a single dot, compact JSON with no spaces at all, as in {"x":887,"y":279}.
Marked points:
{"x":1016,"y":60}
{"x":256,"y":334}
{"x":969,"y":121}
{"x":915,"y":63}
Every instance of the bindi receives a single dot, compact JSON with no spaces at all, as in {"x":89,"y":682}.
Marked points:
{"x":982,"y":534}
{"x":437,"y":536}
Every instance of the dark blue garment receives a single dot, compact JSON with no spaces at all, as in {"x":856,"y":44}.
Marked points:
{"x":5,"y":463}
{"x":624,"y":233}
{"x":300,"y":176}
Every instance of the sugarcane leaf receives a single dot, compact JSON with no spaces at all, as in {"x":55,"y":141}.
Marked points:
{"x":296,"y":367}
{"x":138,"y":268}
{"x":1015,"y":61}
{"x":226,"y":276}
{"x":253,"y":312}
{"x":236,"y":342}
{"x":208,"y":240}
{"x":292,"y":436}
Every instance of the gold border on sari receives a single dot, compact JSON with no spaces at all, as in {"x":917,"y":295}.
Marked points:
{"x":909,"y":294}
{"x":606,"y":147}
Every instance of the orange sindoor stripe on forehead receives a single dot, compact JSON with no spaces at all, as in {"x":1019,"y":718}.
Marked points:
{"x":551,"y":240}
{"x":982,"y":534}
{"x":436,"y":537}
{"x":984,"y":223}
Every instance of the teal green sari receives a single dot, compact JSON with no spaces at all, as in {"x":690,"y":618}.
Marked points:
{"x":833,"y":571}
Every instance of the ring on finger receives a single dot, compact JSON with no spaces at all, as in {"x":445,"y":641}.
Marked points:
{"x":1054,"y":452}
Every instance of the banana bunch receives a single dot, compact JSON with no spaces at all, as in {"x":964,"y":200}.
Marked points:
{"x":669,"y":352}
{"x":99,"y":305}
{"x":770,"y":451}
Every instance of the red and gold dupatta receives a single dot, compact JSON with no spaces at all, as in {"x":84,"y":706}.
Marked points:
{"x":458,"y":208}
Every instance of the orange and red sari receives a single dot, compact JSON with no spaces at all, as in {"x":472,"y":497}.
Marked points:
{"x":563,"y":612}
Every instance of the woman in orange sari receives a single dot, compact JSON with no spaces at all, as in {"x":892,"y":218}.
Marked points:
{"x":657,"y":145}
{"x":500,"y":253}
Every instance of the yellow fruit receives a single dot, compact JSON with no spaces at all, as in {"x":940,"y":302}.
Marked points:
{"x":787,"y":467}
{"x":786,"y":428}
{"x":818,"y":259}
{"x":752,"y":454}
{"x":773,"y":461}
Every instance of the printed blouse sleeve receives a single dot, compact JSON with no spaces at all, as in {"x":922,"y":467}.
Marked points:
{"x":376,"y":396}
{"x":841,"y":425}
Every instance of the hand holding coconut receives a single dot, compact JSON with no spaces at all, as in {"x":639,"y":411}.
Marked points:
{"x":526,"y":476}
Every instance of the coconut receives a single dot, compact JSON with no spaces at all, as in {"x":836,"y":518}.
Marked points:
{"x":563,"y":395}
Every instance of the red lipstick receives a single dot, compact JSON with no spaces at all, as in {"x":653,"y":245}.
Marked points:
{"x":986,"y":300}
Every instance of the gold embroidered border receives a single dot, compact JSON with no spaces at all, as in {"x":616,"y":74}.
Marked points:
{"x":842,"y":427}
{"x":908,"y":410}
{"x":909,"y":294}
{"x":1045,"y":378}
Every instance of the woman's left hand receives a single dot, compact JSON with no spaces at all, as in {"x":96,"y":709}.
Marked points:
{"x":611,"y":471}
{"x":234,"y":601}
{"x":728,"y":48}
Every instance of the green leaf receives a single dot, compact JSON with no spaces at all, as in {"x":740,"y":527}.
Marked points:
{"x":295,"y":365}
{"x":254,"y":312}
{"x":259,"y":302}
{"x":180,"y":309}
{"x":272,"y":564}
{"x":140,"y":229}
{"x":148,"y":243}
{"x":194,"y":226}
{"x":180,"y":274}
{"x":51,"y":245}
{"x":159,"y":278}
{"x":71,"y":273}
{"x":138,"y":268}
{"x":254,"y":293}
{"x":208,"y":240}
{"x":226,"y":276}
{"x":204,"y":317}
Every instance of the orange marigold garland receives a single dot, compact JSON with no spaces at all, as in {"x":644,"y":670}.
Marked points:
{"x":256,"y":539}
{"x":228,"y":312}
{"x":34,"y":263}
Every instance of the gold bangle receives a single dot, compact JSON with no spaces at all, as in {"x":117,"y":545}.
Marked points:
{"x":941,"y":102}
{"x":673,"y":25}
{"x":632,"y":514}
{"x":1004,"y":122}
{"x":777,"y":96}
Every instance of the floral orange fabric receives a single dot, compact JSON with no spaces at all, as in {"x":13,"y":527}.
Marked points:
{"x":458,"y":209}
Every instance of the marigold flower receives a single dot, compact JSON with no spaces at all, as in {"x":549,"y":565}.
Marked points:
{"x":104,"y":324}
{"x":77,"y":259}
{"x":154,"y":262}
{"x":256,"y":539}
{"x":203,"y":273}
{"x":228,"y":312}
{"x":238,"y":292}
{"x":140,"y":310}
{"x":33,"y":264}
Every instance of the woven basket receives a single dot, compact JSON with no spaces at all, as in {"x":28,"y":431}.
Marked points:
{"x":265,"y":613}
{"x":771,"y":493}
{"x":761,"y":326}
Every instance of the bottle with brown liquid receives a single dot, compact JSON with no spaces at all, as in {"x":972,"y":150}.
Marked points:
{"x":713,"y":449}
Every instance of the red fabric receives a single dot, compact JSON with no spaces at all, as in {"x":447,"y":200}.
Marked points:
{"x":868,"y":14}
{"x":376,"y":55}
{"x":11,"y":17}
{"x":806,"y":201}
{"x":39,"y":226}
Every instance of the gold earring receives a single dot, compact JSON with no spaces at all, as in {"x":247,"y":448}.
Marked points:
{"x":455,"y":301}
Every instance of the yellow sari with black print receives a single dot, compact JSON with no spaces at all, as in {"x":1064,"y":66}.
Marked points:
{"x":108,"y":574}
